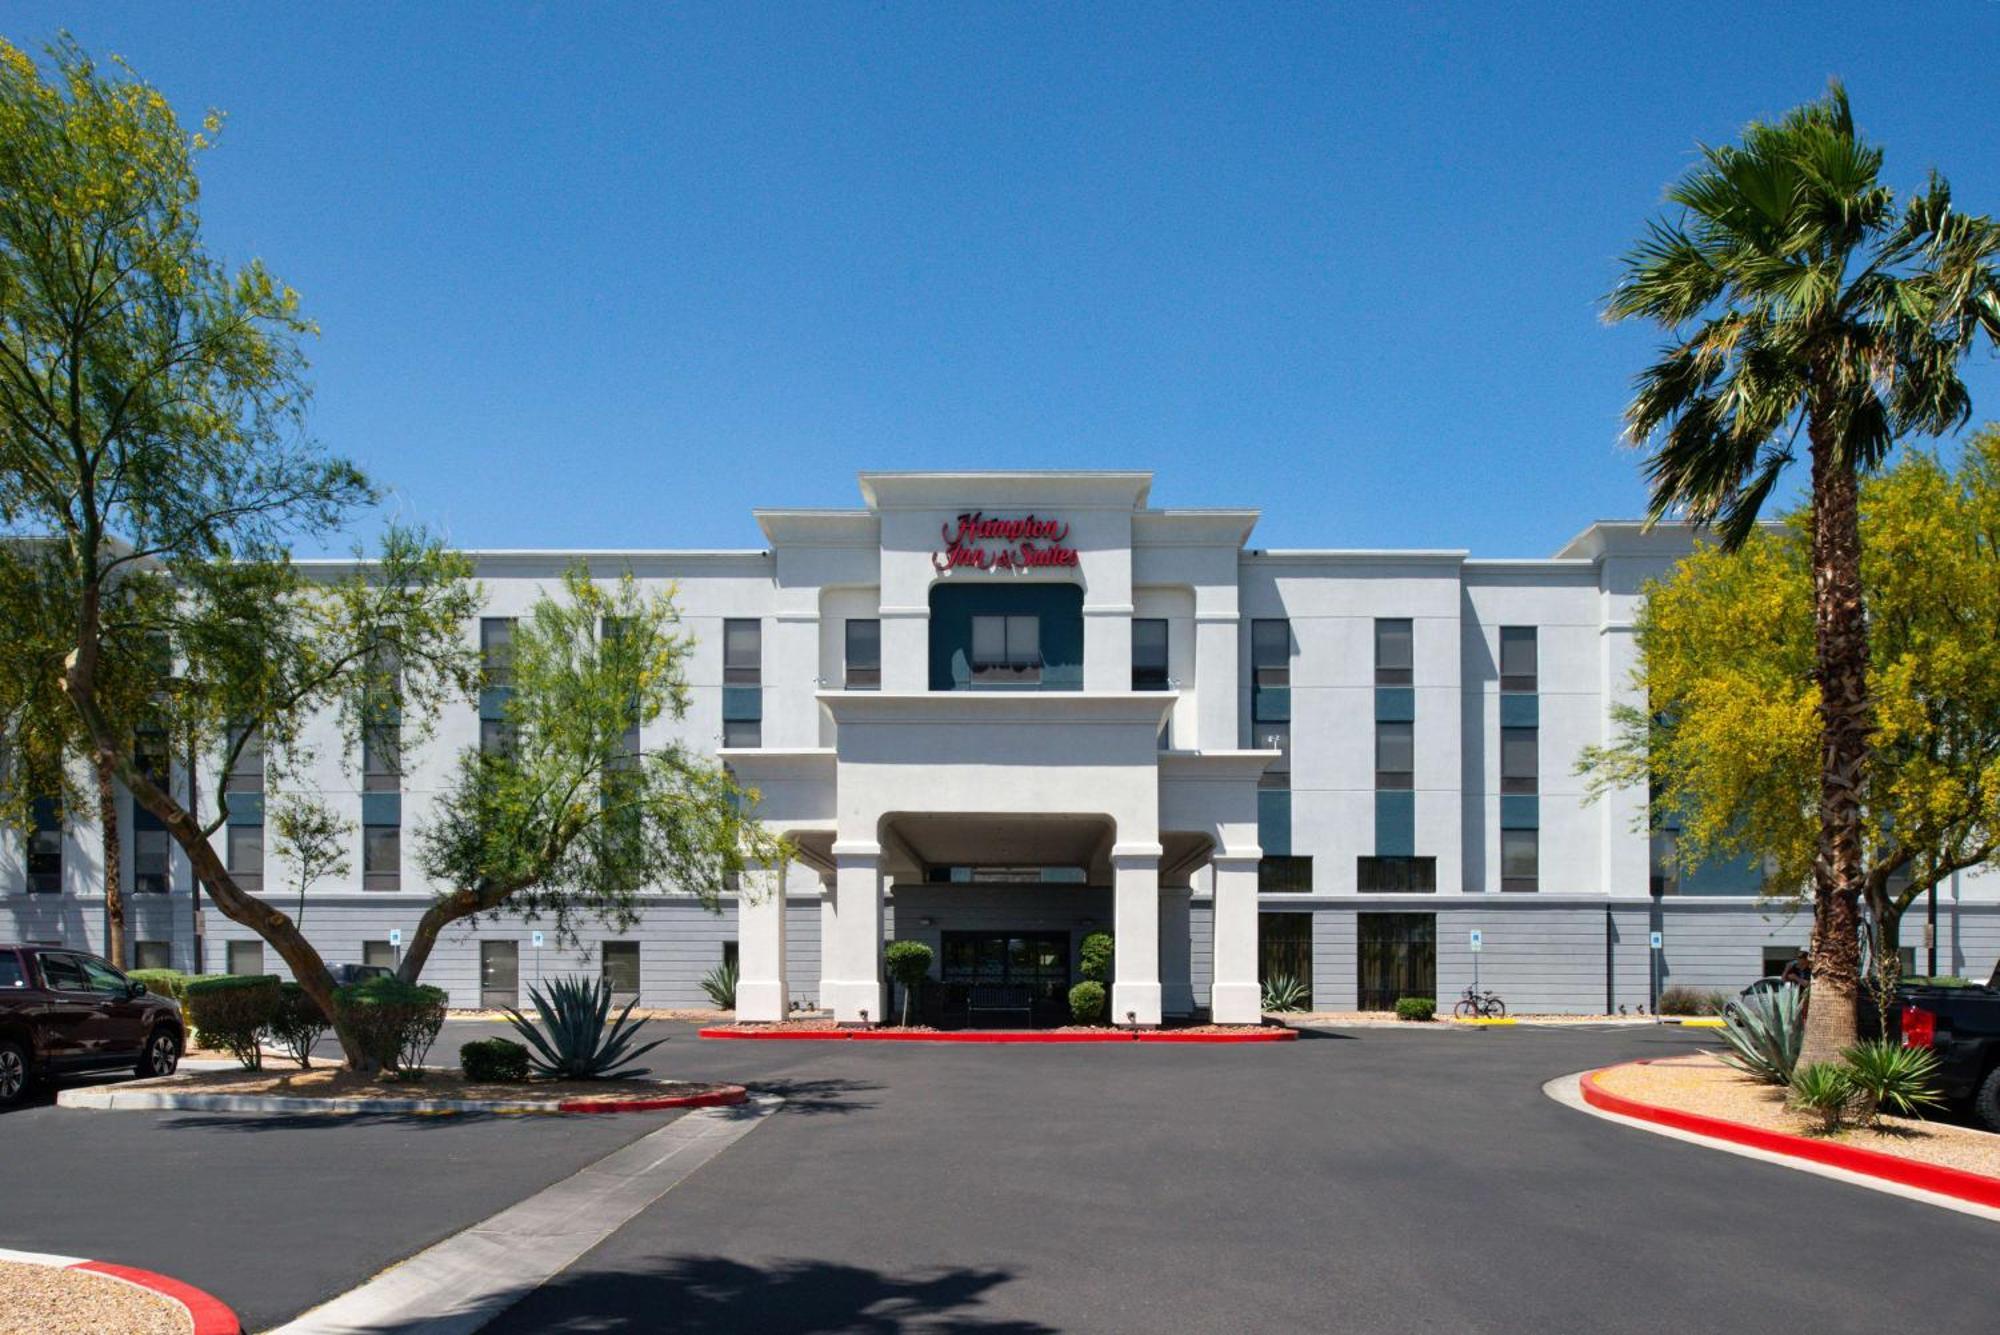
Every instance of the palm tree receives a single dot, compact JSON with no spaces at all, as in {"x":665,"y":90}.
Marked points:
{"x":1798,"y":300}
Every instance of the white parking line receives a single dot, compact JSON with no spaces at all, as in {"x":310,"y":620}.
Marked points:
{"x":465,"y":1281}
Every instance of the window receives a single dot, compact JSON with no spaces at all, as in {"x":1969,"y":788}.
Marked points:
{"x":743,"y":652}
{"x":62,"y":973}
{"x":621,"y":969}
{"x":103,"y":979}
{"x":149,"y":754}
{"x":381,"y":757}
{"x":1520,"y":860}
{"x":496,"y":651}
{"x":149,"y":861}
{"x":496,"y":737}
{"x":499,"y":974}
{"x":1393,"y":651}
{"x":1777,"y":959}
{"x":1007,"y":649}
{"x":1270,"y":652}
{"x":45,"y":845}
{"x":1396,"y":876}
{"x":729,"y":956}
{"x":153,"y":955}
{"x":1517,"y":658}
{"x":1149,"y":654}
{"x":1519,"y":765}
{"x":246,"y":854}
{"x":11,"y":974}
{"x":864,"y":655}
{"x":1395,"y":755}
{"x":245,"y":957}
{"x":381,"y":857}
{"x":378,"y":955}
{"x":1289,"y":875}
{"x":1666,"y":862}
{"x":742,"y":732}
{"x":246,"y":771}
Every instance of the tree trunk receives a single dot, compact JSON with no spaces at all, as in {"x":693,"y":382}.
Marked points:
{"x":114,"y":875}
{"x":1841,"y":665}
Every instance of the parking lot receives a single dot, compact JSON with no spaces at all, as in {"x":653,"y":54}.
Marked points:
{"x":1375,"y":1180}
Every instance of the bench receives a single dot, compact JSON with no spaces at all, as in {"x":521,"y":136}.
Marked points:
{"x":987,"y":998}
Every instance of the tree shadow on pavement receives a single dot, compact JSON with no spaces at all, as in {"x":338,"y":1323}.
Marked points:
{"x":818,"y":1096}
{"x":694,"y":1295}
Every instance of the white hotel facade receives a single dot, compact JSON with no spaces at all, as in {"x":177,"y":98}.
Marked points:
{"x":999,"y":711}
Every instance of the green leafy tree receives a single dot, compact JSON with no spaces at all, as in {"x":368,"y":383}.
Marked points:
{"x":309,"y":839}
{"x":1726,"y":656}
{"x":569,"y":818}
{"x":1799,"y":301}
{"x":154,"y":467}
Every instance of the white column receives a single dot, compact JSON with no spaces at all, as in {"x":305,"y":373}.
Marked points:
{"x":851,"y":953}
{"x":760,"y":947}
{"x":1176,"y":951}
{"x":1237,"y":998}
{"x":1135,"y":916}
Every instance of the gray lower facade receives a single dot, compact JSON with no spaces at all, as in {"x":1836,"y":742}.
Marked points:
{"x":1548,"y":955}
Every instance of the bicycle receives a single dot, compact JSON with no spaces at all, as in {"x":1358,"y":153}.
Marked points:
{"x":1476,"y":1005}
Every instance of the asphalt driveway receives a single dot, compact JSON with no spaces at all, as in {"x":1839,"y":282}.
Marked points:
{"x":1382,"y":1181}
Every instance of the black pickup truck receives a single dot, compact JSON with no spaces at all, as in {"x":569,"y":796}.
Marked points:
{"x":1962,"y":1026}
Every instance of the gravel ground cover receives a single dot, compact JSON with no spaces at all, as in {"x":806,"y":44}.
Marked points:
{"x":1703,"y":1083}
{"x":48,"y":1300}
{"x":334,"y":1085}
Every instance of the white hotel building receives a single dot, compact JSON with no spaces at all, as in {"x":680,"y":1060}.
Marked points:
{"x":998,"y":711}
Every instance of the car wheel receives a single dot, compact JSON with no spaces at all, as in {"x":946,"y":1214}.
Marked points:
{"x":1986,"y":1103}
{"x":160,"y":1056}
{"x":14,"y":1074}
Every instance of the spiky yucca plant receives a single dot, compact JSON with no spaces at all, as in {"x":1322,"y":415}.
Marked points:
{"x":1888,"y":1076}
{"x":1825,"y":1090}
{"x":577,"y":1045}
{"x":1765,"y":1032}
{"x":720,"y":984}
{"x":1284,"y":993}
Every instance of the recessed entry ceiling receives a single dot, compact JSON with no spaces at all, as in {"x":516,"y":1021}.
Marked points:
{"x":915,"y":842}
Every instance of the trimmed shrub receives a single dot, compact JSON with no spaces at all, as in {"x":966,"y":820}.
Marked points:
{"x":162,"y":982}
{"x":231,"y":1012}
{"x":1086,"y":1001}
{"x":393,"y":1022}
{"x":720,"y":984}
{"x":1418,"y":1009}
{"x":1094,"y":958}
{"x":909,"y":963}
{"x":493,"y":1061}
{"x":579,"y":1045}
{"x":297,"y":1024}
{"x":1692,"y":1001}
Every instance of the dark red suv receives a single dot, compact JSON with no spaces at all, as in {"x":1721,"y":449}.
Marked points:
{"x":63,"y":1011}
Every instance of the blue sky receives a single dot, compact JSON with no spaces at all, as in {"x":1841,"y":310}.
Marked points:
{"x":598,"y":275}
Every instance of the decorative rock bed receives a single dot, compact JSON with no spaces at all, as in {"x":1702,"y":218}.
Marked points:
{"x":335,"y":1090}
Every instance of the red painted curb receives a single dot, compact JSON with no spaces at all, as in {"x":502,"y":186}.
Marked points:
{"x":993,"y":1036}
{"x":211,"y":1315}
{"x":717,"y":1098}
{"x":1953,"y":1182}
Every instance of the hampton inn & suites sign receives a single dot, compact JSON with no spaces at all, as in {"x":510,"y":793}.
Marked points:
{"x":979,"y":541}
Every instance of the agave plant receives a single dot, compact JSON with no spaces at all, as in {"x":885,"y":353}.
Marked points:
{"x":578,"y":1045}
{"x":1765,"y":1031}
{"x":720,"y":984}
{"x":1283,"y":993}
{"x":1825,"y":1090}
{"x":1888,"y":1076}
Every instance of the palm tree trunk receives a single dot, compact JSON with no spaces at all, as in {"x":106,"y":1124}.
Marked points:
{"x":1841,"y":662}
{"x":114,"y":874}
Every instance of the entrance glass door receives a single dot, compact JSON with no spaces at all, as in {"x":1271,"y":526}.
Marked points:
{"x":1398,"y":958}
{"x":1025,"y":972}
{"x":499,"y":974}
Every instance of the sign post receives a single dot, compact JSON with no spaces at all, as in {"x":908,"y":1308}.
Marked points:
{"x":396,"y":944}
{"x":1478,"y":944}
{"x":536,"y":939}
{"x":1653,"y":954}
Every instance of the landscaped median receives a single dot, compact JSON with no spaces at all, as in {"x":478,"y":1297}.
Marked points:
{"x":815,"y":1032}
{"x":47,"y":1293}
{"x":1703,"y":1096}
{"x":332,"y":1090}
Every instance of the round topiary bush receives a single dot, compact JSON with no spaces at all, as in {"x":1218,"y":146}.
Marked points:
{"x":162,"y":982}
{"x":231,"y":1011}
{"x":909,"y":964}
{"x":393,"y":1022}
{"x":1416,"y":1008}
{"x":493,"y":1061}
{"x":1086,"y":1001}
{"x":297,"y":1024}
